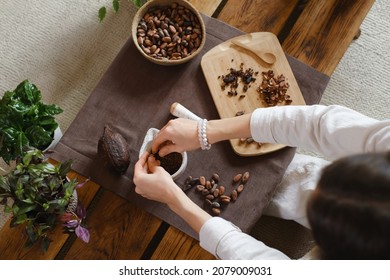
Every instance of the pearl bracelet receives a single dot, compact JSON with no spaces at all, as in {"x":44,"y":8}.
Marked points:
{"x":204,"y":144}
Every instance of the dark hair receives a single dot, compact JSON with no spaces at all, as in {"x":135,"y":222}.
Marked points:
{"x":349,"y":212}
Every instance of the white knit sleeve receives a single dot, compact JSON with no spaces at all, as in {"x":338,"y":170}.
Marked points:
{"x":226,"y":241}
{"x":334,"y":131}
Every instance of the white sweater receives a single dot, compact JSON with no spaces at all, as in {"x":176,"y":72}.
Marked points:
{"x":333,"y":131}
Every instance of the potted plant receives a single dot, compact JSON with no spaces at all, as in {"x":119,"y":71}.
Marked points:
{"x":39,"y":195}
{"x":25,"y":121}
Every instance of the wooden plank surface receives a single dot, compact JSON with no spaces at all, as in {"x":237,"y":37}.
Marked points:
{"x":324,"y":31}
{"x":119,"y":230}
{"x":177,"y":245}
{"x":206,"y":7}
{"x":258,"y":15}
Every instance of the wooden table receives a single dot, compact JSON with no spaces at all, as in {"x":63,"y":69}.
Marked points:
{"x":317,"y":32}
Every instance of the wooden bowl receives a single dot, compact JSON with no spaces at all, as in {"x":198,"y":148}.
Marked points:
{"x":168,"y":42}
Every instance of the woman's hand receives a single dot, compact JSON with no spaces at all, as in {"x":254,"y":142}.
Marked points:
{"x":153,"y":182}
{"x":177,"y":135}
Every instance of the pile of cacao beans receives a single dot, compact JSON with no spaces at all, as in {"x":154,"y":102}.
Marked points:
{"x":169,"y":32}
{"x":215,"y":194}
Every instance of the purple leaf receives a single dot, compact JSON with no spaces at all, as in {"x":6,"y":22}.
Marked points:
{"x":72,"y":224}
{"x":82,"y":233}
{"x":79,"y":185}
{"x":81,"y":211}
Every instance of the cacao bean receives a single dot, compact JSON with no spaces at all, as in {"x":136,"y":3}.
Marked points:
{"x":225,"y":199}
{"x":187,"y":180}
{"x":215,"y":205}
{"x":208,"y":201}
{"x":237,"y":178}
{"x":216,"y":211}
{"x":245,"y":177}
{"x":205,"y":191}
{"x":202,"y":180}
{"x":215,"y":177}
{"x":234,"y":195}
{"x":194,"y":181}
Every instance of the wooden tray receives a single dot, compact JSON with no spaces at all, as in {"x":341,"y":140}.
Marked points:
{"x":221,"y":58}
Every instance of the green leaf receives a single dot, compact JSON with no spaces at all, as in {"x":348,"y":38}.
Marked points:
{"x":29,"y":155}
{"x":39,"y":137}
{"x":22,"y":141}
{"x":4,"y":184}
{"x":28,"y":200}
{"x":102,"y":13}
{"x":65,"y":167}
{"x":59,"y":202}
{"x":20,"y":219}
{"x":47,"y":121}
{"x":41,"y":229}
{"x":19,"y":190}
{"x":28,"y":92}
{"x":137,"y":3}
{"x":53,"y":183}
{"x":69,"y":192}
{"x":11,"y":134}
{"x":7,"y":209}
{"x":115,"y":5}
{"x":45,"y":243}
{"x":49,"y":110}
{"x":15,"y":209}
{"x":27,"y":209}
{"x":32,"y":237}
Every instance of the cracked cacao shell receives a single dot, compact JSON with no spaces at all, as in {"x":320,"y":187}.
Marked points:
{"x":113,"y":147}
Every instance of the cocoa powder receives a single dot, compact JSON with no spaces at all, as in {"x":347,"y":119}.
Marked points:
{"x":171,"y":162}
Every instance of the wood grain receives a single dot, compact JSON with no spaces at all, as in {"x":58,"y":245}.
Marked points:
{"x":119,"y":230}
{"x":258,"y":15}
{"x":221,"y":58}
{"x":206,"y":7}
{"x":177,"y":245}
{"x":324,"y":31}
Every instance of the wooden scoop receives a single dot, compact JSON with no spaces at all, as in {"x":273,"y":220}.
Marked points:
{"x":267,"y":57}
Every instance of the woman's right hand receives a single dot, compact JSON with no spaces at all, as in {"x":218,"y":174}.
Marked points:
{"x":153,"y":182}
{"x":177,"y":135}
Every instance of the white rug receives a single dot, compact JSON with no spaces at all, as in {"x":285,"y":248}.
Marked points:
{"x":62,"y":48}
{"x":362,"y":79}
